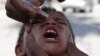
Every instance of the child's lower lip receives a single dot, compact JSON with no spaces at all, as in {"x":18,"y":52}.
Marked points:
{"x":51,"y":40}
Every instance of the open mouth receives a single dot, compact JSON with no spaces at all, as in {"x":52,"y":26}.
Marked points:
{"x":51,"y":34}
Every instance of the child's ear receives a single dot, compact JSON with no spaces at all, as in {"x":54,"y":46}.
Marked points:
{"x":19,"y":50}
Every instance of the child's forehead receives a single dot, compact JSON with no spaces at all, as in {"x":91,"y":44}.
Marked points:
{"x":57,"y":15}
{"x":52,"y":10}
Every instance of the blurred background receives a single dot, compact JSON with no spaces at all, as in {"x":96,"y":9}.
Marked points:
{"x":84,"y":16}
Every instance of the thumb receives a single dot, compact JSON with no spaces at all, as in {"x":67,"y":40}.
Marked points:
{"x":28,"y":27}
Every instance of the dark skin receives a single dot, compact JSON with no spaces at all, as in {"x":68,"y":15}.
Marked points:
{"x":33,"y":44}
{"x":36,"y":44}
{"x":21,"y":10}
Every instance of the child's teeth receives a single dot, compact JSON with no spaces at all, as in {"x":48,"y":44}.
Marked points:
{"x":51,"y":38}
{"x":51,"y":31}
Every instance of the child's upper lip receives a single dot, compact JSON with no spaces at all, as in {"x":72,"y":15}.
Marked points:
{"x":51,"y":29}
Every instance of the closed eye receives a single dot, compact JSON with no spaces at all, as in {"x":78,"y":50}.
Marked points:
{"x":38,"y":19}
{"x":61,"y":21}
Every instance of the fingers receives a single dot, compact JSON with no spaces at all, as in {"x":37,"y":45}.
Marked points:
{"x":28,"y":27}
{"x":28,"y":7}
{"x":18,"y":17}
{"x":21,"y":10}
{"x":11,"y":11}
{"x":36,"y":9}
{"x":9,"y":7}
{"x":20,"y":6}
{"x":37,"y":2}
{"x":14,"y":13}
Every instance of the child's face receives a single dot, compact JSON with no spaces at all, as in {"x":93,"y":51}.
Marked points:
{"x":51,"y":33}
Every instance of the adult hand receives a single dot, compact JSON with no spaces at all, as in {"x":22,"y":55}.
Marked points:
{"x":21,"y":10}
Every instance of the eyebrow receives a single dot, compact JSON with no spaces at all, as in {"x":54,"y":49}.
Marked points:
{"x":38,"y":16}
{"x":63,"y":17}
